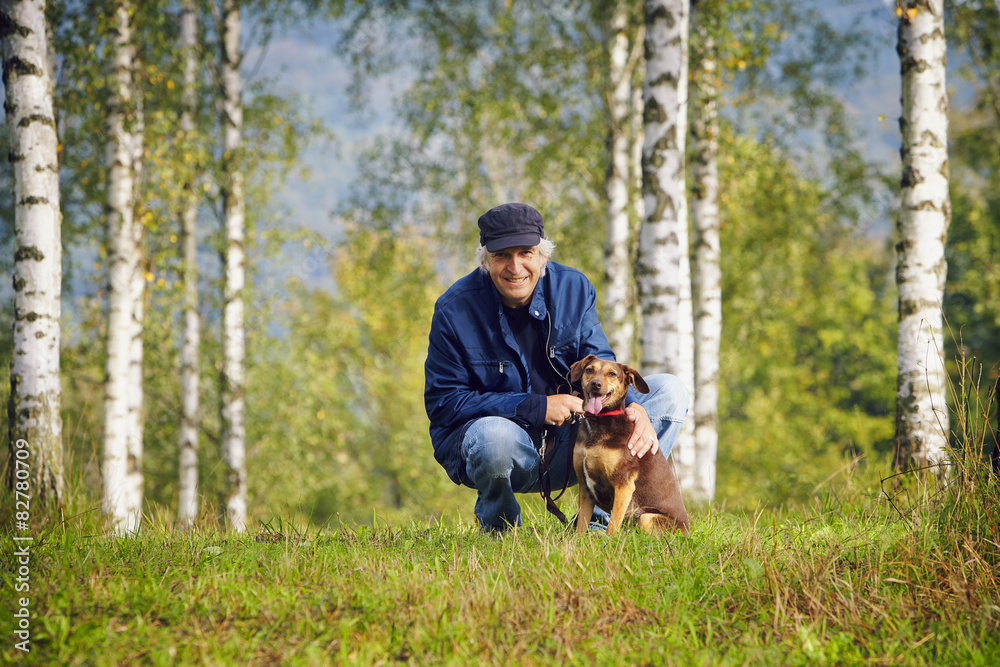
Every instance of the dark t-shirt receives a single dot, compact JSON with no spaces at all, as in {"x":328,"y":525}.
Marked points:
{"x":530,"y":336}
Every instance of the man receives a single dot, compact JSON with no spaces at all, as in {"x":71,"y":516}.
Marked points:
{"x":501,"y":342}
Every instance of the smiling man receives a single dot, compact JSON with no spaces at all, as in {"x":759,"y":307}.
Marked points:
{"x":515,"y":272}
{"x":502,"y":340}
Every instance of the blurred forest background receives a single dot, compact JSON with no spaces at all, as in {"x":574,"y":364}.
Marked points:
{"x":455,"y":107}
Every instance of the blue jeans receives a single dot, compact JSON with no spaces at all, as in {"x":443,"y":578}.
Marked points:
{"x":502,"y":459}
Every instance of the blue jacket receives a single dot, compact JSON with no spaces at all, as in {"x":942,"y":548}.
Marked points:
{"x":475,"y":368}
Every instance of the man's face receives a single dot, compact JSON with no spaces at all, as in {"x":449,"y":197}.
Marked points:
{"x":515,"y":272}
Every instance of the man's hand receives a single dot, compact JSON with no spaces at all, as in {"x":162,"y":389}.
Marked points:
{"x":560,"y":407}
{"x":643,"y":438}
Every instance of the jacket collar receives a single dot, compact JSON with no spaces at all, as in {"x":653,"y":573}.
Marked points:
{"x":537,"y":307}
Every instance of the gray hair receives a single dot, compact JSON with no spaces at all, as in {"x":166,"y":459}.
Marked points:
{"x":545,"y":247}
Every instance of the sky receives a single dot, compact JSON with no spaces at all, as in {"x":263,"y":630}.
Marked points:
{"x":306,"y":62}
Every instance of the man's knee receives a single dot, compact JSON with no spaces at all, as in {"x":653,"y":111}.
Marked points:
{"x":491,"y":446}
{"x":667,"y":397}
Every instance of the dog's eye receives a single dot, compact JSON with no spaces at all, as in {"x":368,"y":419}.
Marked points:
{"x":612,"y":374}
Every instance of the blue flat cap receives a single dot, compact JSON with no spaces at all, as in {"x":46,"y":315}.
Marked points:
{"x":510,"y":226}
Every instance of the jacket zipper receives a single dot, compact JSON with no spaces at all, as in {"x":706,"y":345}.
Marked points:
{"x":552,"y":349}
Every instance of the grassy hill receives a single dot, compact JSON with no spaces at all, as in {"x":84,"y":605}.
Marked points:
{"x":900,"y":571}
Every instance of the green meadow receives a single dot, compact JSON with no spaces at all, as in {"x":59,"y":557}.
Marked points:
{"x":899,"y":571}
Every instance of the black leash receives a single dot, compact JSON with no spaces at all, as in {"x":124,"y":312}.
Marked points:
{"x":548,"y":451}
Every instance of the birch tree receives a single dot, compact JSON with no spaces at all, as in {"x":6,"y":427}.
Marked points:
{"x":922,"y":423}
{"x":187,"y":492}
{"x":638,"y":207}
{"x":35,"y":425}
{"x":706,"y":275}
{"x":233,"y":257}
{"x":663,"y":185}
{"x":122,"y":460}
{"x":623,"y":57}
{"x":685,"y":443}
{"x":664,"y":268}
{"x":706,"y":252}
{"x":135,"y":424}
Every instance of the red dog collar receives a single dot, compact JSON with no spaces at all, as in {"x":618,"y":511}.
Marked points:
{"x":607,"y":413}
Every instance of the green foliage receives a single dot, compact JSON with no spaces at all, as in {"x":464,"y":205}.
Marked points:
{"x":745,"y":34}
{"x":785,"y":55}
{"x":338,"y":398}
{"x":975,"y":27}
{"x":972,"y":292}
{"x":504,"y":106}
{"x":808,"y":350}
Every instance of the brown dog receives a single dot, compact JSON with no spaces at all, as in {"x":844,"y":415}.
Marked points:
{"x":609,"y":476}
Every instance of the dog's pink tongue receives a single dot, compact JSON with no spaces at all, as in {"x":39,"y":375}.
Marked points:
{"x":594,"y":405}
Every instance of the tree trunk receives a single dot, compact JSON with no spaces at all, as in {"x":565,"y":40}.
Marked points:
{"x":122,"y":465}
{"x":686,"y":456}
{"x":134,"y":476}
{"x":921,"y":409}
{"x":638,"y":207}
{"x":707,"y":272}
{"x":618,"y":264}
{"x":187,"y":501}
{"x":664,"y":267}
{"x":35,"y":456}
{"x":233,"y":342}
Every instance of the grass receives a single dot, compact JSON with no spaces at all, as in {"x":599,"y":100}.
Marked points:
{"x":850,"y":579}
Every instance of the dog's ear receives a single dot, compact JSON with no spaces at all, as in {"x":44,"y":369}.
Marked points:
{"x":576,"y":370}
{"x":636,"y":379}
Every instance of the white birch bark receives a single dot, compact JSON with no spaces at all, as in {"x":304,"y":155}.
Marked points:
{"x":122,"y":460}
{"x":34,"y":421}
{"x":707,"y":271}
{"x":134,"y":475}
{"x":686,"y":453}
{"x":618,"y":267}
{"x":638,"y":207}
{"x":187,"y":493}
{"x":685,"y":444}
{"x":663,"y":184}
{"x":664,"y":266}
{"x":234,"y":259}
{"x":925,"y":212}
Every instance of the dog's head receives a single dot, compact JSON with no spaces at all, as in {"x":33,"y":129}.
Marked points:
{"x":604,"y":383}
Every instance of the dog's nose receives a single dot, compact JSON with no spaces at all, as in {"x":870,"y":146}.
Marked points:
{"x":596,"y":385}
